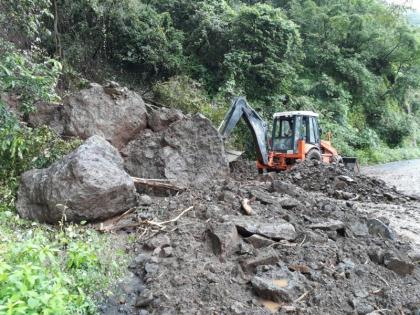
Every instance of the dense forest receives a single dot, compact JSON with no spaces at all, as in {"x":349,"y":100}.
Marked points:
{"x":356,"y":62}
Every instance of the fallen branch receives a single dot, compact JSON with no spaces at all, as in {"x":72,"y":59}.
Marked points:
{"x":160,"y":225}
{"x":157,"y":183}
{"x":246,"y":207}
{"x":110,"y":224}
{"x":174,"y":219}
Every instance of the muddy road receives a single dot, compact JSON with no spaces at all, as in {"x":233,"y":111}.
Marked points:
{"x":404,"y":175}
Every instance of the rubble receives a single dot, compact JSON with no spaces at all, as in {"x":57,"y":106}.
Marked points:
{"x":87,"y":184}
{"x":313,"y":256}
{"x":340,"y":183}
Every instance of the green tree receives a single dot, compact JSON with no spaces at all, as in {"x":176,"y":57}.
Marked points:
{"x":265,"y":51}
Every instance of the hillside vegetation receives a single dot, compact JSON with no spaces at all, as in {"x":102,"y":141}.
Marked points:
{"x":355,"y":62}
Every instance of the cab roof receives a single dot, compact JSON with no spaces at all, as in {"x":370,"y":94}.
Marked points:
{"x":295,"y":113}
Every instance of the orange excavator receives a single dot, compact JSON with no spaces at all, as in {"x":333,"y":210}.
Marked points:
{"x":296,"y":136}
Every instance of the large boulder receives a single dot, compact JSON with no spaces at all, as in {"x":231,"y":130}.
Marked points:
{"x":88,"y":184}
{"x":190,"y":151}
{"x":114,"y":113}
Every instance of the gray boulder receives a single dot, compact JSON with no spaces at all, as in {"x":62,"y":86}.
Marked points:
{"x":190,"y":151}
{"x":87,"y":184}
{"x":113,"y":113}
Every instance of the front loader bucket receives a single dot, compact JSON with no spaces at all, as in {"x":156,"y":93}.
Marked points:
{"x":233,"y":155}
{"x":351,"y":163}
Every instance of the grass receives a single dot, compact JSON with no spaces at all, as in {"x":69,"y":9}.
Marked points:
{"x":385,"y":155}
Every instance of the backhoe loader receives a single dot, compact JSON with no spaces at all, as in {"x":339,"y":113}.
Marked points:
{"x":296,"y":136}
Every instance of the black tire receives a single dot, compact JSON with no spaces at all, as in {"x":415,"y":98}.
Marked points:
{"x":314,"y":154}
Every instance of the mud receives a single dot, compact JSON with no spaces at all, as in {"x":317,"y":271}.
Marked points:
{"x":214,"y":259}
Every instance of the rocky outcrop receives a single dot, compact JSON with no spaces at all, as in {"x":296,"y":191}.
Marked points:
{"x":190,"y":151}
{"x":87,"y":184}
{"x":114,"y":113}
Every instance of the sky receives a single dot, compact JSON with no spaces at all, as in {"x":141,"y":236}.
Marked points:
{"x":415,"y":4}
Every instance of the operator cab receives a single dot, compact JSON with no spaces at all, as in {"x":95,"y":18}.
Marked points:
{"x":290,"y":127}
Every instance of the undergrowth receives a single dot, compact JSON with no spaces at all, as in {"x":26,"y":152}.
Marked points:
{"x":47,"y":270}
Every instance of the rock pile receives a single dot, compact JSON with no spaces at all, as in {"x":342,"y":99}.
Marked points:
{"x":338,"y":182}
{"x":90,"y":183}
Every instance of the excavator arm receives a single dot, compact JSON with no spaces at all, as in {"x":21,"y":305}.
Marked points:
{"x":241,"y":109}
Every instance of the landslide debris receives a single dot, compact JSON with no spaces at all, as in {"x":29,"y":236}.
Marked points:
{"x":311,"y":255}
{"x":340,"y":183}
{"x":88,"y":184}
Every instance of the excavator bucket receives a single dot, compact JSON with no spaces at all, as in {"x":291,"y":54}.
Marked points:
{"x":351,"y":163}
{"x":233,"y":155}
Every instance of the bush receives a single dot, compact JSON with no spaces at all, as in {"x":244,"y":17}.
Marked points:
{"x":185,"y":94}
{"x":32,"y":280}
{"x":23,"y":148}
{"x":30,"y":80}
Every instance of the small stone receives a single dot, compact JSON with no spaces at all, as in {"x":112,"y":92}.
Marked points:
{"x":376,"y":255}
{"x":139,"y":260}
{"x":167,"y":251}
{"x":330,"y":225}
{"x":377,"y":228}
{"x":271,"y":290}
{"x":159,"y":240}
{"x":359,"y":229}
{"x":389,"y":196}
{"x":157,"y":251}
{"x":346,"y":179}
{"x":228,"y":196}
{"x":259,"y":241}
{"x":288,"y":203}
{"x":414,"y":256}
{"x":223,"y":237}
{"x":145,"y":200}
{"x":145,"y":298}
{"x":396,"y":264}
{"x":361,"y":307}
{"x":237,"y":308}
{"x":251,"y":264}
{"x":300,"y":268}
{"x":151,"y":268}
